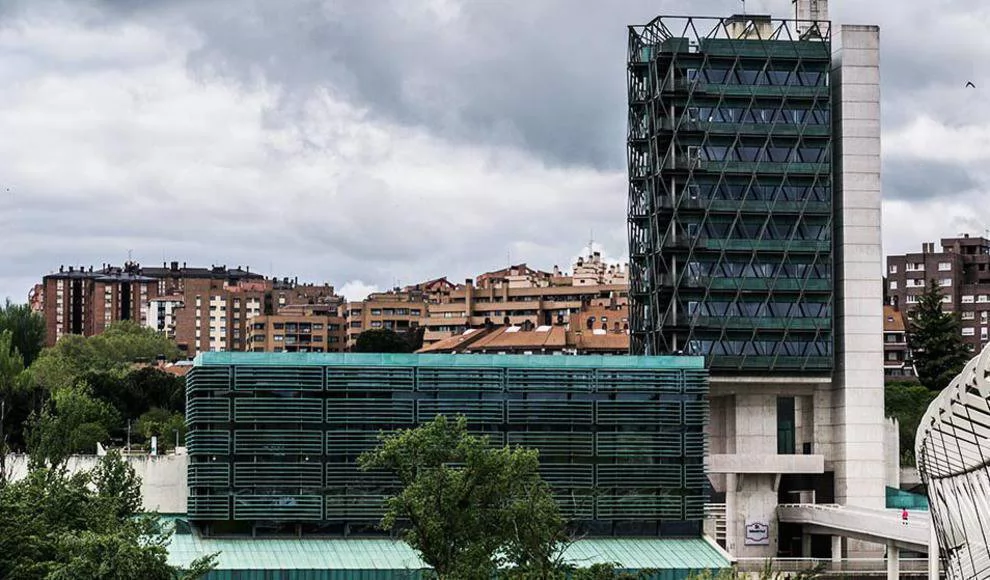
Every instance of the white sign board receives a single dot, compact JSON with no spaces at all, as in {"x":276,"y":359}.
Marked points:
{"x":757,"y":533}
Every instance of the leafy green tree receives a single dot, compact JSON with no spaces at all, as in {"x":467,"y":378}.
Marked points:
{"x":163,"y":424}
{"x":471,"y":507}
{"x":87,"y":525}
{"x":381,"y":340}
{"x":72,"y":422}
{"x":936,"y":340}
{"x":907,"y":402}
{"x":26,"y":327}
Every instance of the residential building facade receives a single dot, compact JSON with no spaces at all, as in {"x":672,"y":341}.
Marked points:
{"x":398,"y":310}
{"x":86,"y":302}
{"x":202,"y":309}
{"x":299,"y":328}
{"x":961,"y":267}
{"x":754,"y":232}
{"x":897,"y":365}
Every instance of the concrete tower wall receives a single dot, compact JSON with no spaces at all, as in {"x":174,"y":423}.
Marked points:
{"x":857,"y":401}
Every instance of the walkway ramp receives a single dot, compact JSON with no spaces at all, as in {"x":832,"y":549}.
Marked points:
{"x":872,"y":525}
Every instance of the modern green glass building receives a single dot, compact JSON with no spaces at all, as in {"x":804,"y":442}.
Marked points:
{"x":273,"y":438}
{"x":730,"y":192}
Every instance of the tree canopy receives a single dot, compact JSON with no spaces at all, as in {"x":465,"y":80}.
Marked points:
{"x":57,"y":526}
{"x":907,"y":402}
{"x":27,"y":329}
{"x":471,"y":507}
{"x":936,"y":340}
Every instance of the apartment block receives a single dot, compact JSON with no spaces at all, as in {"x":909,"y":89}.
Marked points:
{"x":520,"y":295}
{"x":961,"y":267}
{"x":202,"y":309}
{"x":86,"y":301}
{"x":399,"y":310}
{"x":598,"y":330}
{"x":299,"y":328}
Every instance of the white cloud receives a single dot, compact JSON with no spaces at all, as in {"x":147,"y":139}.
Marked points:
{"x":356,"y":290}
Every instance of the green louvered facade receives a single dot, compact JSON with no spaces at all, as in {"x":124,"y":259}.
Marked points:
{"x":273,"y":438}
{"x":730,"y":192}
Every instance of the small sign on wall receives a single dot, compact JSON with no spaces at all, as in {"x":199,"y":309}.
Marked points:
{"x":757,"y":533}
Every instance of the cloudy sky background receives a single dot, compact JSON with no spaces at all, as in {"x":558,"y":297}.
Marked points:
{"x":391,"y":141}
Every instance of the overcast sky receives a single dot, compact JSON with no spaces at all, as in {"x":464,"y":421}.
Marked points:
{"x":391,"y":141}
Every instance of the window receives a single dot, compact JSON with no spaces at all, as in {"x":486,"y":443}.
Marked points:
{"x":376,"y":324}
{"x":414,"y":311}
{"x":983,"y":316}
{"x":944,"y":266}
{"x":968,"y":299}
{"x":355,"y":324}
{"x":981,"y":298}
{"x":947,"y":300}
{"x":376,"y":311}
{"x":968,"y":331}
{"x":893,"y":285}
{"x":945,"y":282}
{"x":279,"y":338}
{"x":968,"y":315}
{"x":912,"y":299}
{"x":785,"y":426}
{"x":892,"y":356}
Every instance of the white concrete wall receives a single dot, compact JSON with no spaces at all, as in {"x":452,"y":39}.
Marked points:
{"x":163,"y":478}
{"x":892,"y":453}
{"x":857,"y":402}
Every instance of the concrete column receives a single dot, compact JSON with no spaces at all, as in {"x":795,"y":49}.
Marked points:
{"x":893,"y":561}
{"x":805,"y":545}
{"x":836,"y":549}
{"x":731,"y":526}
{"x":932,"y":552}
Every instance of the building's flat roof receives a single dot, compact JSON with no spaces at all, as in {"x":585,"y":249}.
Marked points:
{"x":462,"y":360}
{"x":387,"y":554}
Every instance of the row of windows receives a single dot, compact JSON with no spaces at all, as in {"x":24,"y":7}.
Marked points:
{"x":758,"y":270}
{"x":776,"y":75}
{"x":394,"y":312}
{"x":919,"y":267}
{"x":759,"y":191}
{"x":761,"y":153}
{"x":768,"y":309}
{"x":789,"y":347}
{"x":760,"y":115}
{"x":758,"y":230}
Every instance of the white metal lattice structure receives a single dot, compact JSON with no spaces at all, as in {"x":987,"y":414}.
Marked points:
{"x":953,"y":453}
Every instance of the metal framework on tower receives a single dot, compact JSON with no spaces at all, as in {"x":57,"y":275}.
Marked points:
{"x":730,"y":192}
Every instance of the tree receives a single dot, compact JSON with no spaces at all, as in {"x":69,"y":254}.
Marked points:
{"x":162,"y":424}
{"x":86,"y":525}
{"x":381,"y":340}
{"x":26,"y":327}
{"x":936,"y":341}
{"x":907,"y":402}
{"x":72,"y":422}
{"x":470,"y":507}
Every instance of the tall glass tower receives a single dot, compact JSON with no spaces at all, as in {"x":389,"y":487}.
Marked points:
{"x":730,"y":192}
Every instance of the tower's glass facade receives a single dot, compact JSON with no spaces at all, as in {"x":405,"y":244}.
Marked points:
{"x":730,"y":192}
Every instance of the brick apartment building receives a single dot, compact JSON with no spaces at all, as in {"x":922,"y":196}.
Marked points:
{"x":593,"y":330}
{"x":519,"y":294}
{"x":86,"y":301}
{"x":962,"y":268}
{"x":399,"y":310}
{"x":299,"y":328}
{"x":202,"y":309}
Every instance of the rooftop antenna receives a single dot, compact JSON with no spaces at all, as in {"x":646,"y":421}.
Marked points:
{"x":744,"y":6}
